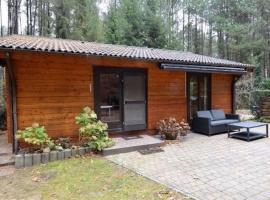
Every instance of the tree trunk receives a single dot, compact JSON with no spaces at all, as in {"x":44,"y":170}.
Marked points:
{"x":196,"y":39}
{"x":27,"y":17}
{"x":210,"y":39}
{"x":35,"y":18}
{"x":202,"y":36}
{"x":183,"y":31}
{"x":221,"y":43}
{"x":16,"y":24}
{"x":1,"y":15}
{"x":189,"y":32}
{"x":48,"y":32}
{"x":10,"y":17}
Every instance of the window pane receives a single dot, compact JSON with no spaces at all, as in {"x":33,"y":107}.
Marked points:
{"x":134,"y":114}
{"x":110,"y":89}
{"x":134,"y":88}
{"x":193,"y":96}
{"x":203,"y":93}
{"x":199,"y":98}
{"x":134,"y":98}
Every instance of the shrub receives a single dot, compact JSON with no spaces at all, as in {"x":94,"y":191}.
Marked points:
{"x":252,"y":100}
{"x":64,"y":142}
{"x":35,"y":136}
{"x":92,"y":131}
{"x":170,"y":128}
{"x":265,"y":84}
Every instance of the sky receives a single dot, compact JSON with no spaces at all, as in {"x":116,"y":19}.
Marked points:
{"x":4,"y":12}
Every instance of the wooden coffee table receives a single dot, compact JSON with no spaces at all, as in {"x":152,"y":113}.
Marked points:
{"x":247,"y":135}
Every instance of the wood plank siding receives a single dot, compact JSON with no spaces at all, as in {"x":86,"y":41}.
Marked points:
{"x":52,"y":89}
{"x":222,"y":95}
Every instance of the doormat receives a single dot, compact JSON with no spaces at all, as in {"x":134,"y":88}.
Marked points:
{"x":151,"y":151}
{"x":133,"y":137}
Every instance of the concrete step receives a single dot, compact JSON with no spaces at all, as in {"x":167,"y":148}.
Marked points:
{"x":6,"y":159}
{"x":125,"y":144}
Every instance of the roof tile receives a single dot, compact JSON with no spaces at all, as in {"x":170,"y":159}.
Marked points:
{"x":21,"y":42}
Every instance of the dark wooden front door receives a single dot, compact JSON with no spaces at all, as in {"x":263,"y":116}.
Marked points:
{"x":120,"y":98}
{"x":199,"y":93}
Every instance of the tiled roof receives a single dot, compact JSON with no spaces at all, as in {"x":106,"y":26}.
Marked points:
{"x":34,"y":43}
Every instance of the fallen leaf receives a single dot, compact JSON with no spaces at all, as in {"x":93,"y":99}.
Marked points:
{"x":164,"y":192}
{"x":35,"y":179}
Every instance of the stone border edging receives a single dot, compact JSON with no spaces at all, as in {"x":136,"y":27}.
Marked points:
{"x":31,"y":159}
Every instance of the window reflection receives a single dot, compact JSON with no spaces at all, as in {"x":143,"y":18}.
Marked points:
{"x":110,"y":89}
{"x":198,"y":93}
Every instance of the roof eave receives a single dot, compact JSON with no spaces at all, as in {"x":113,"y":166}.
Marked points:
{"x":172,"y":61}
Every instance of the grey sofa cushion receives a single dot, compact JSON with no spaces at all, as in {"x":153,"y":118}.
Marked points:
{"x":224,"y":121}
{"x":205,"y":114}
{"x":218,"y":114}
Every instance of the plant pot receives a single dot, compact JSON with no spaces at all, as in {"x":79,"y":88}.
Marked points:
{"x":45,"y":157}
{"x":28,"y":160}
{"x":74,"y":152}
{"x":19,"y":161}
{"x":170,"y":136}
{"x":53,"y":156}
{"x":36,"y":159}
{"x":67,"y":153}
{"x":81,"y":151}
{"x":60,"y":155}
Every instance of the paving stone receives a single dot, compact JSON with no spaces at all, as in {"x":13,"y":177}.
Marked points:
{"x":214,"y":167}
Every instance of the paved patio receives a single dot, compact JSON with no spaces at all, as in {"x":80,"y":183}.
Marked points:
{"x":6,"y":156}
{"x":204,"y":167}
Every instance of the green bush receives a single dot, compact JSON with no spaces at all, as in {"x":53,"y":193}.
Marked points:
{"x":243,"y":100}
{"x":92,"y":131}
{"x":264,"y":119}
{"x":257,"y":95}
{"x":35,"y":136}
{"x":63,"y":142}
{"x":251,"y":100}
{"x":265,"y":84}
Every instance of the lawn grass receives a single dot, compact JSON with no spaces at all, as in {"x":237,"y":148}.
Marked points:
{"x":82,"y":178}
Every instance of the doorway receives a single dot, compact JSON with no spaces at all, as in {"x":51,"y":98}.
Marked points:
{"x":120,"y":98}
{"x":199,"y":93}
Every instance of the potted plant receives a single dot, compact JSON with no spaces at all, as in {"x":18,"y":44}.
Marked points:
{"x":169,"y":128}
{"x":185,"y":128}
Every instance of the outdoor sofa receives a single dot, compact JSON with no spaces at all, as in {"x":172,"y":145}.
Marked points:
{"x":213,"y":121}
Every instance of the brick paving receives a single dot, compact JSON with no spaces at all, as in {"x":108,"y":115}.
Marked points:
{"x":6,"y":156}
{"x":208,"y":168}
{"x":5,"y":147}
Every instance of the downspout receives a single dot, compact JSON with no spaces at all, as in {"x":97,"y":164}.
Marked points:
{"x":235,"y":80}
{"x":13,"y":94}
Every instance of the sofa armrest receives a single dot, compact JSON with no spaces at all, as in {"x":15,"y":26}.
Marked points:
{"x":201,"y":125}
{"x":232,"y":116}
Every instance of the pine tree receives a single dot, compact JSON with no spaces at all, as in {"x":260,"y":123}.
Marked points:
{"x":62,"y":12}
{"x":154,"y":26}
{"x":115,"y":24}
{"x":86,"y":21}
